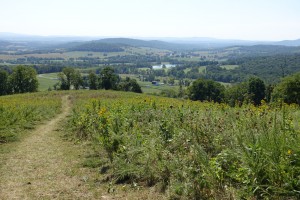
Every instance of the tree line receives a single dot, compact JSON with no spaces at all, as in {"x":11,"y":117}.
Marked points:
{"x":22,"y":79}
{"x":254,"y":90}
{"x":107,"y":79}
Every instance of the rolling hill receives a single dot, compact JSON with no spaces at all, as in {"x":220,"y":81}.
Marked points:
{"x":102,"y":44}
{"x":96,"y":46}
{"x":289,"y":42}
{"x":247,"y":47}
{"x":117,"y":44}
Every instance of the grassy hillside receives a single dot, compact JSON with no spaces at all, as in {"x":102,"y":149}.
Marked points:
{"x":24,"y":111}
{"x":184,"y":149}
{"x":191,"y":150}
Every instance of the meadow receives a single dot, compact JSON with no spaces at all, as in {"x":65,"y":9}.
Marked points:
{"x":24,"y":111}
{"x":46,"y":81}
{"x":191,"y":150}
{"x":184,"y":149}
{"x":229,"y":67}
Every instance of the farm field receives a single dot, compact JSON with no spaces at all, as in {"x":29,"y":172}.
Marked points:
{"x":77,"y":54}
{"x":46,"y":81}
{"x":149,"y":88}
{"x":229,"y":67}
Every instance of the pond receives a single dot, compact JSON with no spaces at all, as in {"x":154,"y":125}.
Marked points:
{"x":160,"y":66}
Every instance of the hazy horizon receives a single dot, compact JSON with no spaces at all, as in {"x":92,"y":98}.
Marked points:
{"x":270,"y":20}
{"x":171,"y":38}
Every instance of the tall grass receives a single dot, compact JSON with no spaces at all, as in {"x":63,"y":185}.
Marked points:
{"x":193,"y":150}
{"x":23,"y":111}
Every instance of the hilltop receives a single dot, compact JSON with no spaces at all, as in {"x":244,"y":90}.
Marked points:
{"x":116,"y":145}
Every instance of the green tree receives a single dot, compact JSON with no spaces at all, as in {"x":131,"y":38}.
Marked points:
{"x":208,"y":90}
{"x":129,"y":85}
{"x":108,"y":79}
{"x":68,"y":77}
{"x":288,"y":89}
{"x":124,"y":85}
{"x":55,"y":86}
{"x":151,"y":77}
{"x":256,"y":90}
{"x":76,"y":80}
{"x":236,"y":94}
{"x":135,"y":87}
{"x":171,"y":81}
{"x":93,"y":82}
{"x":3,"y":82}
{"x":64,"y":85}
{"x":23,"y":79}
{"x":69,"y":73}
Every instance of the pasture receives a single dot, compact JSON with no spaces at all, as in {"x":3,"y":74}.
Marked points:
{"x":46,"y":81}
{"x":229,"y":67}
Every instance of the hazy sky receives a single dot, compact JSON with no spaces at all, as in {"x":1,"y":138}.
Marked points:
{"x":225,"y":19}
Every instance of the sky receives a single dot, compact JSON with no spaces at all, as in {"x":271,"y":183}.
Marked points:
{"x":223,"y":19}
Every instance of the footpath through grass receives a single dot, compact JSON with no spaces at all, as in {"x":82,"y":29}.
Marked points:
{"x":44,"y":163}
{"x":22,"y":112}
{"x":43,"y":166}
{"x":145,"y":147}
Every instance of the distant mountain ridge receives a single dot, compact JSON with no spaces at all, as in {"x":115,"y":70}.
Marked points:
{"x":38,"y":38}
{"x":102,"y":44}
{"x":190,"y":45}
{"x":289,"y":42}
{"x":176,"y":44}
{"x":263,"y":50}
{"x":183,"y":40}
{"x":116,"y":44}
{"x":96,"y":46}
{"x":143,"y":43}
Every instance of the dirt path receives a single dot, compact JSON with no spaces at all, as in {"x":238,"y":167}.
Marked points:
{"x":42,"y":166}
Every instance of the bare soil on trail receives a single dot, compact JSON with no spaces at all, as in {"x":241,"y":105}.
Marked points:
{"x":42,"y":166}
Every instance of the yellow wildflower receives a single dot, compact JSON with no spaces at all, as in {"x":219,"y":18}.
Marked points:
{"x":102,"y":111}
